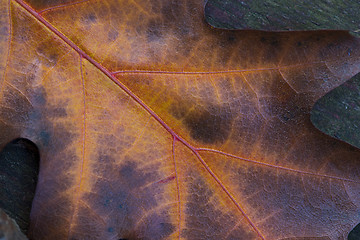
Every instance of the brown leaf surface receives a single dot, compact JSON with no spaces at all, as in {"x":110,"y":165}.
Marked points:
{"x":153,"y":125}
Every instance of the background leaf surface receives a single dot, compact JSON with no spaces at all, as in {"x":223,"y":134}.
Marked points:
{"x":337,"y":113}
{"x":282,"y":15}
{"x":153,"y":125}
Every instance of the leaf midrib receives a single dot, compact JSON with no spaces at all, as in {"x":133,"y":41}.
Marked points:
{"x":176,"y":137}
{"x":110,"y":75}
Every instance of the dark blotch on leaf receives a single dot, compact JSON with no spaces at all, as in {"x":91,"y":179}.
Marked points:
{"x":231,"y":38}
{"x":126,"y":195}
{"x":154,"y":30}
{"x":19,"y":168}
{"x":273,"y":41}
{"x":92,"y":17}
{"x":39,"y":96}
{"x":211,"y":125}
{"x":178,"y":110}
{"x":157,"y":229}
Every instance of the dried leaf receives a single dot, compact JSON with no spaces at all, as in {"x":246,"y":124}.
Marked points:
{"x":153,"y":125}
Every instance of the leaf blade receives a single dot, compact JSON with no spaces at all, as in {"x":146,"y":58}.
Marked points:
{"x":194,"y":105}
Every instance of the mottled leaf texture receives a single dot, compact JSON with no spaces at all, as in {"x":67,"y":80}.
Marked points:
{"x":153,"y":125}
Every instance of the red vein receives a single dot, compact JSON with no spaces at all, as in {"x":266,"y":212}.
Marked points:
{"x":166,"y":179}
{"x":277,"y":167}
{"x":229,"y":71}
{"x":9,"y":47}
{"x":152,"y":113}
{"x":61,"y":6}
{"x":96,"y":64}
{"x":188,"y":73}
{"x":195,"y":151}
{"x":83,"y":156}
{"x":177,"y":182}
{"x":136,"y":99}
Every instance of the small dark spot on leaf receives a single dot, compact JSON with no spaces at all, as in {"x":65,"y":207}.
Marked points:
{"x":106,"y":202}
{"x":231,"y":38}
{"x":210,"y":125}
{"x":92,"y":17}
{"x":273,"y":41}
{"x":53,"y":57}
{"x":290,"y":114}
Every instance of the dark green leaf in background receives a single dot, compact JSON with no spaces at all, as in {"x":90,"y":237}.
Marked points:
{"x":355,"y":233}
{"x":338,"y":112}
{"x":19,"y":168}
{"x":282,"y":15}
{"x":9,"y":230}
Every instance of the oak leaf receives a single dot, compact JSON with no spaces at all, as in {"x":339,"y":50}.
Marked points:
{"x":153,"y":125}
